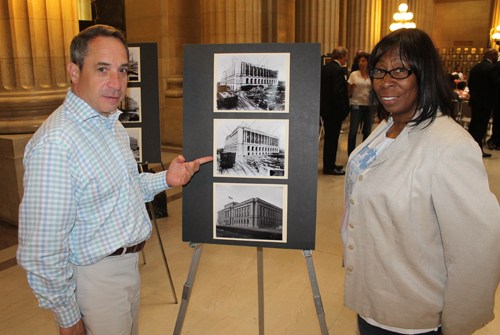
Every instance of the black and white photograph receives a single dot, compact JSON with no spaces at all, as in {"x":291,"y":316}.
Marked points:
{"x":131,"y":106}
{"x":251,"y":148}
{"x":253,"y":82}
{"x":256,"y":212}
{"x":135,"y":135}
{"x":134,"y":61}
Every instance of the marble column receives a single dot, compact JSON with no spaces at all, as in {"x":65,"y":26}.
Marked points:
{"x":363,"y":26}
{"x":423,"y":14}
{"x":231,"y":21}
{"x":319,"y":21}
{"x":34,"y":49}
{"x":278,"y":21}
{"x":389,"y":8}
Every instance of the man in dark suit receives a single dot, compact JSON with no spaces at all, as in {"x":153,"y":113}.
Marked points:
{"x":334,"y":108}
{"x":494,"y":142}
{"x":484,"y":82}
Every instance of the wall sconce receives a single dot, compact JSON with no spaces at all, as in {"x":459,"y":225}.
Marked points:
{"x":402,"y":19}
{"x":496,"y":36}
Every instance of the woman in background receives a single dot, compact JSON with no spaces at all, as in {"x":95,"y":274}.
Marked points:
{"x":459,"y":73}
{"x":359,"y":91}
{"x":420,"y":228}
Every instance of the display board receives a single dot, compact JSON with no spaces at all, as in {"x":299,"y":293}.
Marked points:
{"x":464,"y":57}
{"x":141,"y":106}
{"x":255,"y":108}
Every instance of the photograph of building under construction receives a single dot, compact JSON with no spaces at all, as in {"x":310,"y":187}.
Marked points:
{"x":135,"y":135}
{"x":250,"y":212}
{"x":251,"y":82}
{"x":251,"y":148}
{"x":131,"y":105}
{"x":134,"y":63}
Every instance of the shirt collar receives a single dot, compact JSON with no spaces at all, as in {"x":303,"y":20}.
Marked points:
{"x":411,"y":127}
{"x":82,"y":111}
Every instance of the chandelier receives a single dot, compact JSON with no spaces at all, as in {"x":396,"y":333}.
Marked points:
{"x":402,"y":19}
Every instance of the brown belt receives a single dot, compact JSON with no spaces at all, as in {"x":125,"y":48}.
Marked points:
{"x":129,"y":250}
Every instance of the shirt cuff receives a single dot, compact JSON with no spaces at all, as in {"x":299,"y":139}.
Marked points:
{"x":68,"y":316}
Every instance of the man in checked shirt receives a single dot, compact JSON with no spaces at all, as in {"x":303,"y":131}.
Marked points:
{"x":82,"y":219}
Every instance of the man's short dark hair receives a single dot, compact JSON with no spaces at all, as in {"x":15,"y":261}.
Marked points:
{"x":80,"y":43}
{"x":339,"y":52}
{"x":490,"y":52}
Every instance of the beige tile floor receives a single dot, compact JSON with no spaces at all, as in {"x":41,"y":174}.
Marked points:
{"x":224,"y":298}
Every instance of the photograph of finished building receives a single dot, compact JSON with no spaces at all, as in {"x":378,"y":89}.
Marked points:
{"x":250,"y":212}
{"x":251,"y":82}
{"x":250,"y":148}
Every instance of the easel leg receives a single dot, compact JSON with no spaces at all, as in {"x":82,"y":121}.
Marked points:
{"x":188,"y":287}
{"x":260,"y":280}
{"x":151,"y":209}
{"x":317,"y":297}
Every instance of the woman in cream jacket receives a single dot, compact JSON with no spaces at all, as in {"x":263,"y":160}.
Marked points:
{"x":421,"y":229}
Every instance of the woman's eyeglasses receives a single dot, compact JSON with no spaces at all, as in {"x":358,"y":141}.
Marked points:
{"x":398,"y":73}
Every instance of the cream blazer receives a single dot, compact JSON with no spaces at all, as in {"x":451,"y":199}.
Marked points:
{"x":423,"y":239}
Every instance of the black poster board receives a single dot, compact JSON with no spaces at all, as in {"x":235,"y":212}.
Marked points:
{"x":285,"y":125}
{"x":141,"y":106}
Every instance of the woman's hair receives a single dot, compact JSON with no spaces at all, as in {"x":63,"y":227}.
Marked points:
{"x":461,"y":85}
{"x":364,"y":55}
{"x":419,"y":54}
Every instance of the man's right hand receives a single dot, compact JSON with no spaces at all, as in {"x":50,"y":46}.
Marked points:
{"x":76,"y":329}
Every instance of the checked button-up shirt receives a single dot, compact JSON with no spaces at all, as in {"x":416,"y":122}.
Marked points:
{"x":83,"y":199}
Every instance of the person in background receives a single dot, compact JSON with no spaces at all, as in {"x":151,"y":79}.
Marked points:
{"x":420,"y":228}
{"x":493,"y":142}
{"x":484,"y":84}
{"x":359,"y":90}
{"x":334,"y":108}
{"x":459,"y":73}
{"x":82,"y":220}
{"x":452,"y":81}
{"x":355,"y":65}
{"x":463,"y":94}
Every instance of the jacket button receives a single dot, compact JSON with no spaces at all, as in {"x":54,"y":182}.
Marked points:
{"x":360,"y":178}
{"x":350,"y":247}
{"x":351,"y":225}
{"x":349,"y":269}
{"x":352,"y":201}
